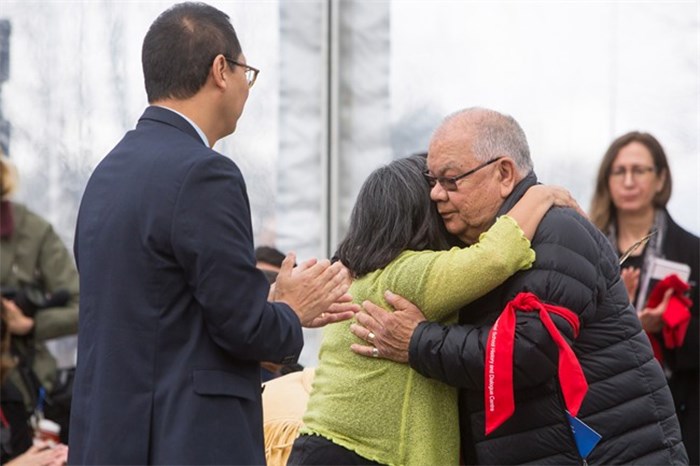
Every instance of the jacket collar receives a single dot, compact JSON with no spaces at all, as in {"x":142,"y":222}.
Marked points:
{"x":518,"y":192}
{"x":163,"y":115}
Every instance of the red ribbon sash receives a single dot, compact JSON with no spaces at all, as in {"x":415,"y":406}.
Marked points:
{"x":499,"y":400}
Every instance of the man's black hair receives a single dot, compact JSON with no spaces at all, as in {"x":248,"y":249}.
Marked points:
{"x":180,"y":46}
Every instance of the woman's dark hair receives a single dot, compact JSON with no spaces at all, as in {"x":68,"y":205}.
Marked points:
{"x":180,"y":46}
{"x":393,"y":213}
{"x":603,"y":211}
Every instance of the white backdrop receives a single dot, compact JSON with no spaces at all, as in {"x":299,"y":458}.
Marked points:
{"x":574,"y":74}
{"x":348,"y":85}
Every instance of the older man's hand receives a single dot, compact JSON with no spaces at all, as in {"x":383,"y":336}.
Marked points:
{"x":388,"y":334}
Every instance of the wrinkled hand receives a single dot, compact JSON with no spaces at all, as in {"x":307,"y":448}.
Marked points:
{"x":650,"y":317}
{"x":387,"y":332}
{"x":42,"y":455}
{"x":311,"y":288}
{"x":341,"y":310}
{"x":630,"y":277}
{"x":17,"y":322}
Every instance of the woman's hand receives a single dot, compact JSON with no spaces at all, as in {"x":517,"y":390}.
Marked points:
{"x":651,"y":317}
{"x":42,"y":455}
{"x":537,"y":200}
{"x":556,"y":196}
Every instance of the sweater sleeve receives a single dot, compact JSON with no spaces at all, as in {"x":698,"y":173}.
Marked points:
{"x":60,"y":275}
{"x":441,"y":282}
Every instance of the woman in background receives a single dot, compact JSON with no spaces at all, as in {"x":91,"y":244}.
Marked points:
{"x":39,"y":282}
{"x":631,"y":193}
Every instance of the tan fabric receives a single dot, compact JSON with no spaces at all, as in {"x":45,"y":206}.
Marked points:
{"x":284,"y":403}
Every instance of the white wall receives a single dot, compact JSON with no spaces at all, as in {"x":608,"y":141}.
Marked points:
{"x":575,"y":74}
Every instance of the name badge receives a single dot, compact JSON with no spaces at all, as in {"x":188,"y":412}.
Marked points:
{"x":585,"y":437}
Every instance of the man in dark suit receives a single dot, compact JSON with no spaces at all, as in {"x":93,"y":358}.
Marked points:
{"x":175,"y":316}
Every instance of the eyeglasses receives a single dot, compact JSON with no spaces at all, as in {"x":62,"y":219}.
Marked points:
{"x":636,"y":245}
{"x":450,"y":183}
{"x":637,"y":171}
{"x":251,"y":74}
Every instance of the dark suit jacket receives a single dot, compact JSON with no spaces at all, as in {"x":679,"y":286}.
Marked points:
{"x":174,"y":314}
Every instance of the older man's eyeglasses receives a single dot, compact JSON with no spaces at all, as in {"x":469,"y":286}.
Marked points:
{"x":449,"y":183}
{"x":251,"y":74}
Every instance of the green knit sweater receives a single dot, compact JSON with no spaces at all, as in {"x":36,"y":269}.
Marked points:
{"x":385,"y":411}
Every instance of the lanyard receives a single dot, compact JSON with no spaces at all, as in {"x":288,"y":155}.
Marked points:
{"x":499,"y":400}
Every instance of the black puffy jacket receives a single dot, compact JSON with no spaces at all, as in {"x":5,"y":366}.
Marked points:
{"x":628,"y":400}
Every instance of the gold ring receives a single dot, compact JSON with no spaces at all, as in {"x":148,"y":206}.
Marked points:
{"x":375,"y":353}
{"x":370,"y":336}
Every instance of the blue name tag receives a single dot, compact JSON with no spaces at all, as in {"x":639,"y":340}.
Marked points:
{"x":586,"y":438}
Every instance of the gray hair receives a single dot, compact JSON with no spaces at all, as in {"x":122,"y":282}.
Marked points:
{"x":494,"y":135}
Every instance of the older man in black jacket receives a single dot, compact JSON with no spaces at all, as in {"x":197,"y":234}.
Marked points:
{"x":479,"y":166}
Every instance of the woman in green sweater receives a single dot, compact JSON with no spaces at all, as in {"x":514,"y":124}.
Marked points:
{"x":364,"y":411}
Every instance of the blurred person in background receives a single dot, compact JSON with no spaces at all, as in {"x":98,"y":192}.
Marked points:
{"x":39,"y":283}
{"x":632,"y":190}
{"x":269,"y":259}
{"x":16,"y":445}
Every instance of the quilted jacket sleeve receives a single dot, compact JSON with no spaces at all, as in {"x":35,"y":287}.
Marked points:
{"x":566,"y":273}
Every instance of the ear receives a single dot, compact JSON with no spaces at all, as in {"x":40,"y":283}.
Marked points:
{"x":218,"y":71}
{"x":507,"y":176}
